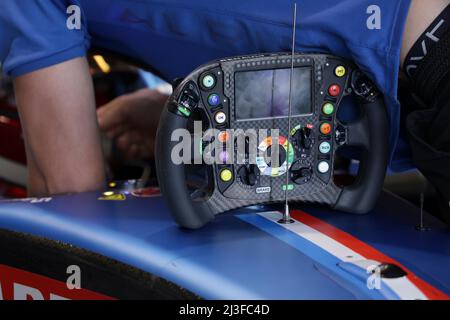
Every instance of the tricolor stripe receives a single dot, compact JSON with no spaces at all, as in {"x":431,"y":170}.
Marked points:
{"x":351,"y":256}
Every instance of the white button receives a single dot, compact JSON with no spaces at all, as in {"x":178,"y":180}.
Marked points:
{"x":209,"y":81}
{"x":323,"y":167}
{"x":325,"y":147}
{"x":220,"y":117}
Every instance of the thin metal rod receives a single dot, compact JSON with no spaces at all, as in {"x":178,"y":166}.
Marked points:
{"x":422,"y":199}
{"x":287,"y":216}
{"x":422,"y":227}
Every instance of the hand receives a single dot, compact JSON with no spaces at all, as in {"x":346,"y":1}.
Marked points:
{"x":132,"y":120}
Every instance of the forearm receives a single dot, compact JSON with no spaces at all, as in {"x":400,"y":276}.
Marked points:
{"x":57,"y":110}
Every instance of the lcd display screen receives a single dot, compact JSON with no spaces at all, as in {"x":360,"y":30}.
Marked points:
{"x":265,"y":93}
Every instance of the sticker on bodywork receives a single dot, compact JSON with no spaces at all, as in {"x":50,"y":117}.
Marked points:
{"x":17,"y":284}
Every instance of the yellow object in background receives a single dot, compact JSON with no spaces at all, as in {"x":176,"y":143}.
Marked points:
{"x":111,"y":196}
{"x":102,"y":64}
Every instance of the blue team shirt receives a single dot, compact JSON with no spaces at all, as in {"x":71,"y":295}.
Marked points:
{"x":174,"y":37}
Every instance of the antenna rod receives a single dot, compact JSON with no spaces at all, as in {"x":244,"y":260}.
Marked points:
{"x":422,"y":198}
{"x":422,"y":226}
{"x":287,"y":216}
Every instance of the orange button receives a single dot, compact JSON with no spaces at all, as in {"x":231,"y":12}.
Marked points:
{"x":325,"y":128}
{"x":223,"y":136}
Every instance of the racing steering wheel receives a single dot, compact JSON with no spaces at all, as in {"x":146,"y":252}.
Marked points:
{"x":247,"y":92}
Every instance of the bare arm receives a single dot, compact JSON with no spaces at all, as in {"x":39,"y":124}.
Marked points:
{"x":57,"y":110}
{"x":132,"y":120}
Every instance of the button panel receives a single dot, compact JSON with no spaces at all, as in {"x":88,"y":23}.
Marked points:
{"x":310,"y":158}
{"x":214,"y":100}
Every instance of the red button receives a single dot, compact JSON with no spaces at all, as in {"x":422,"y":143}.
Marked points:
{"x":334,"y":90}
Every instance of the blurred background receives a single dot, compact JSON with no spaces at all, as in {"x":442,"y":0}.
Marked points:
{"x":112,"y":78}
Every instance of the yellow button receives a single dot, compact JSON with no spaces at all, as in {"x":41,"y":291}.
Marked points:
{"x":340,"y":71}
{"x":226,"y":175}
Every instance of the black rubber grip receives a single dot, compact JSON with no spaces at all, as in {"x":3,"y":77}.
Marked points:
{"x":187,"y":213}
{"x":371,"y":133}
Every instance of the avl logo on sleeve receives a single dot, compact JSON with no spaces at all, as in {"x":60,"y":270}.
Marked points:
{"x":16,"y":284}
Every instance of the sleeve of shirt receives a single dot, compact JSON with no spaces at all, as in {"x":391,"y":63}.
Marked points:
{"x":430,"y":144}
{"x":36,"y":34}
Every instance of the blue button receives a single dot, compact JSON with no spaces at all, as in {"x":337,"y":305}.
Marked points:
{"x":213,"y":100}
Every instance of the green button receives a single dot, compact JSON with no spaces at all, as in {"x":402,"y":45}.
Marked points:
{"x":295,"y":129}
{"x":328,"y":108}
{"x":290,"y":187}
{"x":185,"y":111}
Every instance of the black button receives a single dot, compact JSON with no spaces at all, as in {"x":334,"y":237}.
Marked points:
{"x":249,"y":174}
{"x":303,"y":138}
{"x":341,"y":135}
{"x":301,"y":175}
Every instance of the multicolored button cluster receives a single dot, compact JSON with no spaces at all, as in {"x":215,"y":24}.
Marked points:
{"x":264,"y":168}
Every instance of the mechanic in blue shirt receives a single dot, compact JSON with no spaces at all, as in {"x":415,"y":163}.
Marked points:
{"x":43,"y":46}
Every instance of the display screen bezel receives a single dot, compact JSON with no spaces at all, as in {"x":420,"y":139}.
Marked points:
{"x":309,"y":67}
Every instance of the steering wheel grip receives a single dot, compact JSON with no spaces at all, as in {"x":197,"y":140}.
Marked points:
{"x":371,"y":133}
{"x":186,"y":212}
